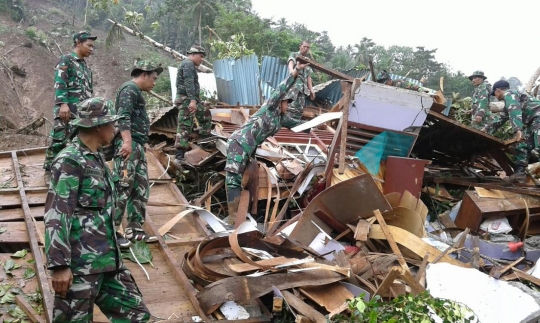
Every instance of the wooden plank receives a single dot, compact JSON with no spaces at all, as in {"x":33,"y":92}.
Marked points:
{"x":416,"y":288}
{"x":457,"y":244}
{"x":413,"y":243}
{"x":390,"y":239}
{"x":346,"y":88}
{"x":394,"y":273}
{"x":524,"y":275}
{"x":168,"y":226}
{"x":303,"y":308}
{"x":245,"y":267}
{"x":484,"y":192}
{"x":362,"y":230}
{"x":330,"y":296}
{"x":28,"y":309}
{"x":331,"y":155}
{"x":32,"y":237}
{"x":209,"y":193}
{"x":422,"y":269}
{"x":498,"y":273}
{"x":324,"y":69}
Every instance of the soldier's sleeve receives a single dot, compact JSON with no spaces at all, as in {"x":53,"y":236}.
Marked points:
{"x":61,"y":80}
{"x":277,"y":95}
{"x":289,"y":122}
{"x":60,"y":205}
{"x":483,"y":102}
{"x":189,"y":72}
{"x":513,"y":107}
{"x":126,"y":100}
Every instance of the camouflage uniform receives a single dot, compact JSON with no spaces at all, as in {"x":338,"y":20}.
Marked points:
{"x":299,"y":91}
{"x":73,"y":84}
{"x":480,"y":103}
{"x":264,"y":123}
{"x":187,"y":89}
{"x":134,"y":190}
{"x":80,"y":232}
{"x":523,"y":111}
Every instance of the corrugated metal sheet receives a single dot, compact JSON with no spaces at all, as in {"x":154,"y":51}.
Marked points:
{"x":238,"y":80}
{"x":273,"y":72}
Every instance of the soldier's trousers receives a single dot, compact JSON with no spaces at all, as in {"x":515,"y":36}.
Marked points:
{"x":133,"y":191}
{"x":60,"y":135}
{"x":115,"y":293}
{"x":235,"y":166}
{"x":530,"y":141}
{"x":296,"y":107}
{"x":186,"y":123}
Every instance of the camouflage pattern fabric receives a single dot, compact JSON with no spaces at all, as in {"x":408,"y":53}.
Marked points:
{"x":72,"y":84}
{"x":186,"y":123}
{"x":94,"y":112}
{"x":299,"y":91}
{"x":131,"y":107}
{"x":187,"y":82}
{"x":264,"y":123}
{"x":405,"y":85}
{"x":115,"y":293}
{"x":480,"y":106}
{"x":134,"y":190}
{"x":523,"y":111}
{"x":79,"y":213}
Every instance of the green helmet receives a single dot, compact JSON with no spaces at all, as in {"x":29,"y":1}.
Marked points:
{"x":477,"y":74}
{"x":383,"y":76}
{"x":195,"y":49}
{"x":146,"y":66}
{"x":94,"y":112}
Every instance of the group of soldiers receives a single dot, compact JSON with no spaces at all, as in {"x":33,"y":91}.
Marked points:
{"x":521,"y":109}
{"x":86,"y":201}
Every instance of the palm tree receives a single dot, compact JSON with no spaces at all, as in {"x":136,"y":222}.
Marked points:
{"x":282,"y":24}
{"x":199,"y":6}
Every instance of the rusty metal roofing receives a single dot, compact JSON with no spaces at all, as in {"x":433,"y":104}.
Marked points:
{"x":238,"y":80}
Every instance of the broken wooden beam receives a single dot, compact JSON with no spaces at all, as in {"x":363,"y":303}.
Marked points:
{"x":321,"y":68}
{"x":28,"y":309}
{"x":303,"y":308}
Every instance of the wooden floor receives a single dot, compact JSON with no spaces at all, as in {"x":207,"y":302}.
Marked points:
{"x":165,"y":293}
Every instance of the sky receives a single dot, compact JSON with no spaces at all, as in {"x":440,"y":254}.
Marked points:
{"x":501,"y":38}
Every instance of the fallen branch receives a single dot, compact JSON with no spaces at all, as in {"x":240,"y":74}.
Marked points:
{"x":176,"y":54}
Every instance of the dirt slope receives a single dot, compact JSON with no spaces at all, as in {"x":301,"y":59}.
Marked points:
{"x":110,"y":67}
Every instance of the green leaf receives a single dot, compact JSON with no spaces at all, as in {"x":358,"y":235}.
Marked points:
{"x":8,"y":266}
{"x":7,"y":298}
{"x":16,"y":312}
{"x":3,"y":229}
{"x":360,"y":306}
{"x":141,"y":251}
{"x":20,"y":254}
{"x":29,"y":273}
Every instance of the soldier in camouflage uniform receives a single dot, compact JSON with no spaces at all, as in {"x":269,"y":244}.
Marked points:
{"x":189,"y":103}
{"x":523,"y":111}
{"x":130,"y":166}
{"x":303,"y":86}
{"x":72,"y":84}
{"x":481,"y":113}
{"x":80,"y":240}
{"x":384,"y":78}
{"x":243,"y":142}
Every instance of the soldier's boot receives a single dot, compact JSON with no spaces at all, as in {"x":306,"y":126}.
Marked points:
{"x":135,"y":232}
{"x":122,"y":242}
{"x":233,"y":201}
{"x":47,"y":177}
{"x":519,"y":175}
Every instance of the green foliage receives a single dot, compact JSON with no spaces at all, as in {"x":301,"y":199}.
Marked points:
{"x":235,"y":48}
{"x":14,"y":8}
{"x":407,"y":308}
{"x":38,"y":36}
{"x":20,"y":254}
{"x":141,"y":251}
{"x":461,"y":109}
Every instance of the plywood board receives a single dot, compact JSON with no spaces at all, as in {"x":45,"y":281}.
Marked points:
{"x":484,"y":192}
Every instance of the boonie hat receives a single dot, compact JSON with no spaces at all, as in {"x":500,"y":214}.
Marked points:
{"x":94,"y":112}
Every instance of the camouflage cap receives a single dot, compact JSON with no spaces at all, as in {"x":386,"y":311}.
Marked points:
{"x":83,"y":35}
{"x":196,"y":50}
{"x":383,"y":76}
{"x":477,"y":74}
{"x":146,"y":66}
{"x":94,"y":112}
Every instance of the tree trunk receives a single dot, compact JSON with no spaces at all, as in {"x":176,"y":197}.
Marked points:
{"x":175,"y":53}
{"x":85,"y":12}
{"x":200,"y":16}
{"x":532,"y":80}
